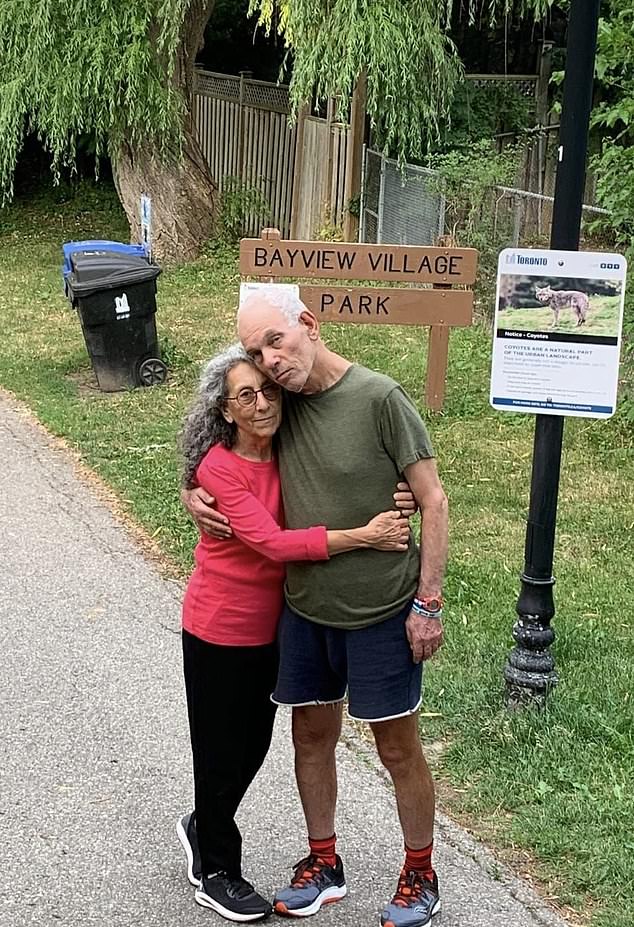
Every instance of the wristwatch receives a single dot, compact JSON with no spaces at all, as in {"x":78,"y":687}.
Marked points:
{"x":431,"y":603}
{"x":428,"y":607}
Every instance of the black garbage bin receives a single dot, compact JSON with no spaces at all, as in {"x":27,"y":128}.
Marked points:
{"x":114,"y":293}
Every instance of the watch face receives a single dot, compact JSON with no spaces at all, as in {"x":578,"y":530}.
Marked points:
{"x":432,"y":604}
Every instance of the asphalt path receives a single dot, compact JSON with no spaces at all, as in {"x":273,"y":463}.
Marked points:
{"x":94,"y":753}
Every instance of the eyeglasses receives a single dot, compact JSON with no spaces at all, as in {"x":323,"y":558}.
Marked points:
{"x":248,"y":397}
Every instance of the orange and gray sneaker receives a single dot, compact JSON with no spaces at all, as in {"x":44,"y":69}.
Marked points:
{"x":314,"y":884}
{"x":415,"y":902}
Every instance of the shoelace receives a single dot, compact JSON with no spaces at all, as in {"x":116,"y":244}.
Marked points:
{"x":307,"y":870}
{"x":236,"y":888}
{"x":411,"y":886}
{"x":239,"y":888}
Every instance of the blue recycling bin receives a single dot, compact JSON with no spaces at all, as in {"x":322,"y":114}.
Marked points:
{"x":113,"y":288}
{"x":115,"y":247}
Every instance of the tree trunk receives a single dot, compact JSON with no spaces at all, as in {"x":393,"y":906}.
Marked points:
{"x":184,"y":196}
{"x":184,"y":199}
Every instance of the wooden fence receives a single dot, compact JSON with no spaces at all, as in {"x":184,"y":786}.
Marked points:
{"x":319,"y":197}
{"x":244,"y":133}
{"x":299,"y":171}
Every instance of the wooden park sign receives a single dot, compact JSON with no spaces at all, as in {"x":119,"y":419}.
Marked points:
{"x":433,"y":303}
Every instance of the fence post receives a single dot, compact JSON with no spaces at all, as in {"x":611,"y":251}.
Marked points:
{"x":364,"y":168}
{"x":241,"y":120}
{"x":354,"y":153}
{"x":517,"y":220}
{"x":298,"y":168}
{"x":541,"y":111}
{"x":380,"y":207}
{"x":327,"y":188}
{"x":442,"y":206}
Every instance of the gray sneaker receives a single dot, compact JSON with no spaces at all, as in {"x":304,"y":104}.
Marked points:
{"x":314,"y":884}
{"x":186,"y":831}
{"x":415,"y":902}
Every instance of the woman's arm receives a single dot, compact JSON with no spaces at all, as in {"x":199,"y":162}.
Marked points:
{"x":386,"y":531}
{"x":253,"y":524}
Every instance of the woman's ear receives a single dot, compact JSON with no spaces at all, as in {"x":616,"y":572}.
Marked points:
{"x":226,"y":414}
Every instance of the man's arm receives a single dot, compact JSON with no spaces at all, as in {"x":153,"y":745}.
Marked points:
{"x":200,"y":505}
{"x":425,"y":635}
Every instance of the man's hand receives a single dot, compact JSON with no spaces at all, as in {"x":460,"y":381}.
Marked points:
{"x":425,"y":636}
{"x":200,"y":506}
{"x":404,"y":500}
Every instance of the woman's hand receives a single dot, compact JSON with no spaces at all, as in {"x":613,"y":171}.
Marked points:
{"x":387,"y":531}
{"x":404,"y":500}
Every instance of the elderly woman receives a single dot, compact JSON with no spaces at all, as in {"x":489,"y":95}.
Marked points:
{"x":230,"y":614}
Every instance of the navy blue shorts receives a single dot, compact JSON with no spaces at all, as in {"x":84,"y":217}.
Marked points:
{"x":318,"y":663}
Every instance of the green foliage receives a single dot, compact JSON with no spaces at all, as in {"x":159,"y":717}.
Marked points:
{"x":237,"y":202}
{"x":329,"y":230}
{"x":113,"y":70}
{"x":481,"y":112}
{"x":402,"y":46}
{"x":411,"y":64}
{"x":467,"y":179}
{"x":76,"y":67}
{"x":492,"y":11}
{"x":614,"y":116}
{"x":614,"y":165}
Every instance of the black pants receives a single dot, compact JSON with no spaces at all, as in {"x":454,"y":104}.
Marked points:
{"x":231,"y":722}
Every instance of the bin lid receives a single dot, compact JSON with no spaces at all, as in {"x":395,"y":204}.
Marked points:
{"x":98,"y":270}
{"x":71,"y":247}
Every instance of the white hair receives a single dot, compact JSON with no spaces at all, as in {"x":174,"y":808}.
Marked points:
{"x":282,"y":298}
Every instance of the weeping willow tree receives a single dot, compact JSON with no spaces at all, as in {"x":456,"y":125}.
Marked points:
{"x":123,"y":71}
{"x":410,"y":63}
{"x":402,"y":46}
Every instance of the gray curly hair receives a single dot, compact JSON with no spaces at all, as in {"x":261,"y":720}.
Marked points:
{"x":204,"y":423}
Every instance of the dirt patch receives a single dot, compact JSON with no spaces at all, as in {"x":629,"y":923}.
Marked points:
{"x":85,"y":381}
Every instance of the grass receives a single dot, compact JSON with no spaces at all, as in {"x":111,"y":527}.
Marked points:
{"x":549,"y":789}
{"x":602,"y":319}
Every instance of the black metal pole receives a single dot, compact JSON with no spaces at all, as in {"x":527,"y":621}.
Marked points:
{"x":530,"y":668}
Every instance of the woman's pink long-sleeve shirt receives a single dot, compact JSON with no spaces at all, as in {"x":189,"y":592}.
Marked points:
{"x":235,"y":594}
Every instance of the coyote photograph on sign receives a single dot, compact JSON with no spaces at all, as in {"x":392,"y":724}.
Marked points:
{"x":547,"y":304}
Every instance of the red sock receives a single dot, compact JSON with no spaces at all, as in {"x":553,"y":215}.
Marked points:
{"x":324,"y":849}
{"x":420,"y":861}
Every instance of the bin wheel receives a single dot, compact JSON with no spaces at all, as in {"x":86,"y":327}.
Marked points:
{"x":152,"y":372}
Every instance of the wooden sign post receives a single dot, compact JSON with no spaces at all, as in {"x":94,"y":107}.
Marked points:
{"x":435,"y":304}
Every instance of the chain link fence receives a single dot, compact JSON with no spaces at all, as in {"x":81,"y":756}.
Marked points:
{"x":399,"y":206}
{"x":525,"y":218}
{"x":403,"y":206}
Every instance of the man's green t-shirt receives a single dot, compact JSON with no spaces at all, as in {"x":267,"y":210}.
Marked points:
{"x":341,"y":453}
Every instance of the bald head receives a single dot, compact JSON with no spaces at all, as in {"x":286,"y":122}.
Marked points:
{"x":281,"y":298}
{"x":280,"y":335}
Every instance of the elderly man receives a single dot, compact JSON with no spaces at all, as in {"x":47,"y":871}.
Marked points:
{"x":363,"y":623}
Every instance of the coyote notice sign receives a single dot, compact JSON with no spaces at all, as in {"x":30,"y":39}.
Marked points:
{"x":557,"y":332}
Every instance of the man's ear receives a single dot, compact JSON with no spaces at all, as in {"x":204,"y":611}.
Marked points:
{"x":310,"y":322}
